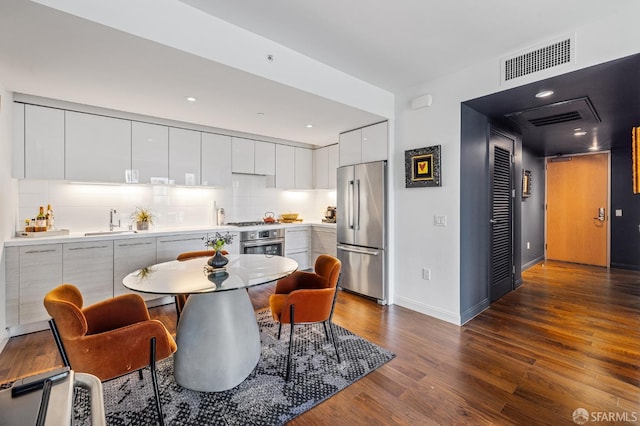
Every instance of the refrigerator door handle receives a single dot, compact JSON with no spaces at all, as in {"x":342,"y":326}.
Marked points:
{"x":359,"y":250}
{"x":350,"y":206}
{"x":358,"y":203}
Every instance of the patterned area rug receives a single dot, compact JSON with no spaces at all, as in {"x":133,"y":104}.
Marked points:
{"x":264,"y":398}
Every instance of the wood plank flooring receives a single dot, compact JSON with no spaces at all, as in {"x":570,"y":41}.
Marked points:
{"x":569,"y":337}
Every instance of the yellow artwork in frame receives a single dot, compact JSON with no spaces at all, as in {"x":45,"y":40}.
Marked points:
{"x":422,"y":167}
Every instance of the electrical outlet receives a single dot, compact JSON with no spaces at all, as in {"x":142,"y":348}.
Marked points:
{"x":426,"y":273}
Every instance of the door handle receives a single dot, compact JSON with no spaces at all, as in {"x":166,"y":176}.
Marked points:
{"x":601,"y":214}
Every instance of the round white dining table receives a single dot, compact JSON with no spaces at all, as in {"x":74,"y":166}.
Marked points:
{"x":217,"y":336}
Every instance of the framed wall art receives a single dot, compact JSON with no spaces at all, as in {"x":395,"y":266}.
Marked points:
{"x":526,"y":183}
{"x":422,"y":167}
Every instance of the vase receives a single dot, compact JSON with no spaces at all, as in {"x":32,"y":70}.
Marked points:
{"x":218,"y":260}
{"x":142,"y":226}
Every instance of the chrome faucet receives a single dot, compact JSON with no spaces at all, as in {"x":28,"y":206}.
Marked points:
{"x":111,"y":224}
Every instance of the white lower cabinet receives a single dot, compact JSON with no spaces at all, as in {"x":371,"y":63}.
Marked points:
{"x":40,"y":270}
{"x":323,"y":241}
{"x":128,"y":256}
{"x":169,"y":247}
{"x":89,"y":266}
{"x":296,"y":246}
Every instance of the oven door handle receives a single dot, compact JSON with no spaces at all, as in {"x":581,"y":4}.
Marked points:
{"x":260,"y":243}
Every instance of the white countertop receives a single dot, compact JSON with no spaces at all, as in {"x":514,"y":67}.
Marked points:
{"x":75,"y":237}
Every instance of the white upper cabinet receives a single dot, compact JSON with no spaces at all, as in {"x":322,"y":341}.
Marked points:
{"x":216,"y":160}
{"x":97,"y":148}
{"x":264,"y":158}
{"x":333,"y":158}
{"x":364,"y":145}
{"x":285,"y":170}
{"x":242,"y":155}
{"x":325,"y":163}
{"x":303,"y":168}
{"x":17,"y":149}
{"x":321,"y":168}
{"x":43,"y":142}
{"x":149,"y":152}
{"x":184,"y":156}
{"x":374,"y":142}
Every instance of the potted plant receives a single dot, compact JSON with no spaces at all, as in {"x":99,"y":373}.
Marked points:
{"x":217,"y":243}
{"x":143,"y":218}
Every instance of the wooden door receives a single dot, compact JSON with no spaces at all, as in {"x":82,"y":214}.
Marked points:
{"x":576,"y":190}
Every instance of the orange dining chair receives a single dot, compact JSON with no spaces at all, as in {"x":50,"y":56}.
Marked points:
{"x":110,"y":338}
{"x":307,"y":298}
{"x":181,"y":299}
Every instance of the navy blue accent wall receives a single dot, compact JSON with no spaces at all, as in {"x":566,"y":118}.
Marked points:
{"x":474,"y":213}
{"x":533,"y":210}
{"x":625,"y":234}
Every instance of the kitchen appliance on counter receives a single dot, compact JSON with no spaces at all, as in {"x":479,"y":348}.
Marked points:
{"x":361,"y":229}
{"x":269,"y":241}
{"x":220,"y":217}
{"x":330,"y":215}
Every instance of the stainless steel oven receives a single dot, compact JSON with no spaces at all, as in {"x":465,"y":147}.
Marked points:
{"x":268,"y":241}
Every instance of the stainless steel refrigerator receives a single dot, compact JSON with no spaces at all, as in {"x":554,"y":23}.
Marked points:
{"x":361,"y":228}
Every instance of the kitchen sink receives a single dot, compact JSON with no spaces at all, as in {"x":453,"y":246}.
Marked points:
{"x":98,"y":233}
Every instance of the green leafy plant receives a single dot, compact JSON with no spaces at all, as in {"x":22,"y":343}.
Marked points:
{"x":218,"y":241}
{"x":143,"y":215}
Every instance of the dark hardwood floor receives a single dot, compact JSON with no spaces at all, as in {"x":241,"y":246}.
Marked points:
{"x":568,"y":338}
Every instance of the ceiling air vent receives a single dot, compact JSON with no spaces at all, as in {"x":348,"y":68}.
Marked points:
{"x":540,"y":58}
{"x":555,"y":119}
{"x":578,"y":110}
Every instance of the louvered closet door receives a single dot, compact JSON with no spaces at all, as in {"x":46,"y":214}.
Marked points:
{"x":501,"y":256}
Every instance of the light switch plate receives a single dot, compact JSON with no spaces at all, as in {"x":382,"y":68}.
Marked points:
{"x":618,"y":212}
{"x":440,"y":220}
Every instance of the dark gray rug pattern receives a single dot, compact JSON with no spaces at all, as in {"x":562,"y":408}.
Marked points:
{"x":264,"y":398}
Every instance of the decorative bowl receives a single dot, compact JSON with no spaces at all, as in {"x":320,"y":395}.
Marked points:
{"x":289,"y":216}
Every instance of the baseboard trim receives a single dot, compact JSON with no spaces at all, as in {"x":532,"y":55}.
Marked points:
{"x":449,"y":317}
{"x":625,"y":266}
{"x":532,"y":263}
{"x":474,"y":310}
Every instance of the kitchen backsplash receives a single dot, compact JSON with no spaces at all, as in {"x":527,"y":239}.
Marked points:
{"x":85,"y":207}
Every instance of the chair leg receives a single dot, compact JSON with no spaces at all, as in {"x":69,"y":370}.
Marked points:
{"x":154,"y":379}
{"x":291,"y":319}
{"x":333,"y":339}
{"x":140,"y":374}
{"x":178,"y":309}
{"x":326,"y":333}
{"x":279,"y":329}
{"x":58,"y":340}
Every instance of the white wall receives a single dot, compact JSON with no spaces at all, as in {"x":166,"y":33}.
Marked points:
{"x":420,"y":242}
{"x":8,"y":197}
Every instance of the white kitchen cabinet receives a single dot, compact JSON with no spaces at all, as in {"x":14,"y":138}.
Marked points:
{"x":374,"y":142}
{"x":285,"y":169}
{"x":12,"y":285}
{"x":130,"y":255}
{"x":264,"y":158}
{"x":297,"y":243}
{"x":97,"y":148}
{"x":89,"y":266}
{"x":321,"y":168}
{"x":364,"y":145}
{"x":17,"y":148}
{"x":333,"y":159}
{"x":169,"y":247}
{"x":350,"y":146}
{"x":323,"y":241}
{"x":43,"y":142}
{"x":40,"y":271}
{"x":325,"y":163}
{"x":216,"y":160}
{"x":303,"y":168}
{"x":184,"y":156}
{"x":242,"y":155}
{"x":149,"y":151}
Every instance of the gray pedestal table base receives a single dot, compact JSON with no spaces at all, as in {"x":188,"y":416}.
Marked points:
{"x":218,"y":341}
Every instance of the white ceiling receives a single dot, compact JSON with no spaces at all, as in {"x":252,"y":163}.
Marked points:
{"x":391,"y":44}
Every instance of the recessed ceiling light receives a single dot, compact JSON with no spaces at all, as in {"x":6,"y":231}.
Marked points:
{"x":579,"y":133}
{"x":309,"y":126}
{"x":191,"y":99}
{"x":260,"y":113}
{"x":594,"y":147}
{"x":544,"y":94}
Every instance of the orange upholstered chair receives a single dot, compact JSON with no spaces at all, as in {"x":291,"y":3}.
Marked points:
{"x":181,"y":299}
{"x":307,"y":297}
{"x":107,"y":339}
